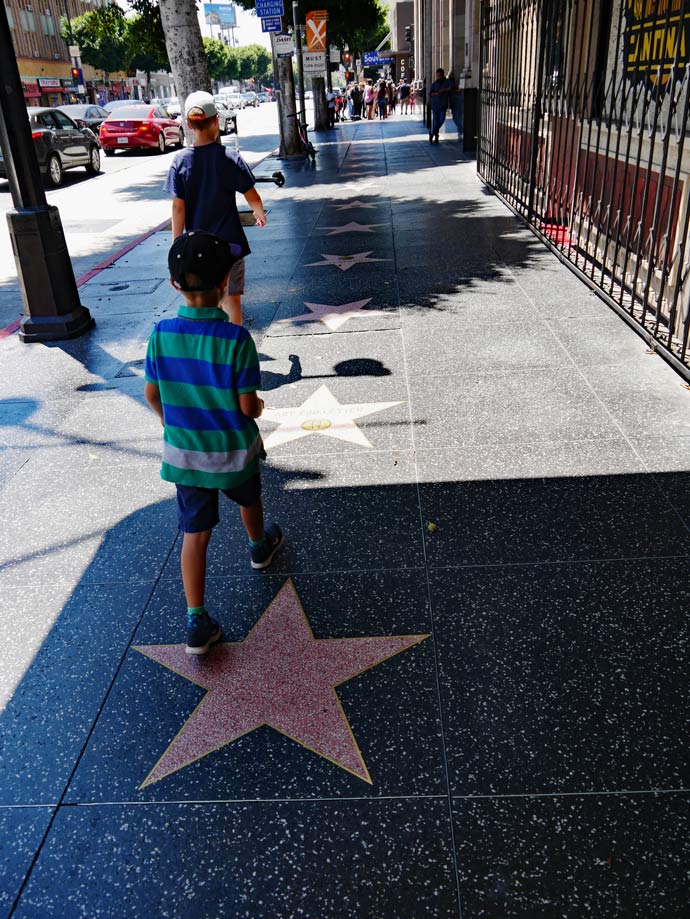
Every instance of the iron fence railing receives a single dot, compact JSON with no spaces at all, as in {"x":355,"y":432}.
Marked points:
{"x":584,"y":110}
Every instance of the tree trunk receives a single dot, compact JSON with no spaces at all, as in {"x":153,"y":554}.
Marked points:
{"x":185,"y":48}
{"x":289,"y":133}
{"x":318,"y":85}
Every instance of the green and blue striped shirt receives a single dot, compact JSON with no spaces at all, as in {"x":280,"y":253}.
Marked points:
{"x":201,"y":363}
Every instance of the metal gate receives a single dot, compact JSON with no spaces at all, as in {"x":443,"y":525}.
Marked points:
{"x":583,"y":123}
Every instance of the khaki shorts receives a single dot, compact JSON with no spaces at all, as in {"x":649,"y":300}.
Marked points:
{"x":236,"y":279}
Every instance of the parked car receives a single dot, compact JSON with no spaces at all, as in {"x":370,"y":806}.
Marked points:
{"x":264,"y":97}
{"x":86,"y":116}
{"x":118,"y":103}
{"x":227,"y":117}
{"x":60,"y":144}
{"x":137,"y":126}
{"x":233,"y":100}
{"x":250,"y":99}
{"x":172,"y":106}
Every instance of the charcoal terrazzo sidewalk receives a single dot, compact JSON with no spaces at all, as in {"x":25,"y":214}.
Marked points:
{"x":483,"y":481}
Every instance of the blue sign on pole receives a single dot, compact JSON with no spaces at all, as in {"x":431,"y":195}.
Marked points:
{"x":270,"y":24}
{"x":267,"y":8}
{"x":374,"y":59}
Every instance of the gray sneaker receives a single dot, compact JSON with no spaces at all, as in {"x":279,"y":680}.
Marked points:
{"x":262,"y":555}
{"x":202,"y":631}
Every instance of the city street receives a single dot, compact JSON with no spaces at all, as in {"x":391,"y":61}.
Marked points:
{"x":102,"y":214}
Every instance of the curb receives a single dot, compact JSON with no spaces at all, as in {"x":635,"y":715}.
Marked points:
{"x":106,"y":263}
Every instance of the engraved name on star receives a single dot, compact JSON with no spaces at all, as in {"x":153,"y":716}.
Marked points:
{"x":321,"y":414}
{"x":353,"y":227}
{"x":279,"y":676}
{"x":345,"y":262}
{"x":334,"y":316}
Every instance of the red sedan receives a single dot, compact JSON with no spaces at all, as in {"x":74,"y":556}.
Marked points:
{"x":133,"y":126}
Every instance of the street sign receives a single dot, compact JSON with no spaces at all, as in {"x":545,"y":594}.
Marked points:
{"x":267,"y":8}
{"x":220,"y":14}
{"x":283,"y":45}
{"x":271,"y":24}
{"x":335,"y":56}
{"x":314,"y":61}
{"x":74,"y":50}
{"x":374,"y":59}
{"x":316,"y":30}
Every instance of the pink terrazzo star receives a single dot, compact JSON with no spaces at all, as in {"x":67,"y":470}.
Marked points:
{"x":280,"y":676}
{"x":345,"y":262}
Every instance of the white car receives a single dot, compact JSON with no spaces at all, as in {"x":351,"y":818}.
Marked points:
{"x":233,"y":100}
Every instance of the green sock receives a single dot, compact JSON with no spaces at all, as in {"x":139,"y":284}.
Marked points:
{"x":260,"y":542}
{"x":193,"y":611}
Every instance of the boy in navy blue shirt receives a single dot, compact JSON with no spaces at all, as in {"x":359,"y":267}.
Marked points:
{"x":203,"y":181}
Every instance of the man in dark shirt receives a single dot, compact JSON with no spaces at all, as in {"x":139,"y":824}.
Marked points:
{"x":203,"y":181}
{"x":440,"y":97}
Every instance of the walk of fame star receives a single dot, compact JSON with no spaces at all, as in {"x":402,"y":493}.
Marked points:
{"x":334,"y":316}
{"x":347,"y":207}
{"x":279,"y":676}
{"x":352,"y":227}
{"x":321,"y":414}
{"x":345,"y":262}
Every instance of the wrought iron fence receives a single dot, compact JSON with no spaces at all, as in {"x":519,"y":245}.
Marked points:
{"x":583,"y":123}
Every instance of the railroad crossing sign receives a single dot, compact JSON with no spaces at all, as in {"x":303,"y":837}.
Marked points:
{"x":316,"y":30}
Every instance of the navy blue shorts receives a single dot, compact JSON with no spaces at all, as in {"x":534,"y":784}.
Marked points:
{"x":197,"y":508}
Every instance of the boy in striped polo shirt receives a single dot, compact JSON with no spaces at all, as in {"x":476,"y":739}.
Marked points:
{"x":202,"y":374}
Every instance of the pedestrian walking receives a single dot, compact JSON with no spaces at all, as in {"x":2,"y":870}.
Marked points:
{"x":330,"y":103}
{"x":357,"y":96}
{"x":203,"y":180}
{"x":440,"y":99}
{"x":369,"y":98}
{"x":211,"y":442}
{"x":404,"y":94}
{"x":382,"y":99}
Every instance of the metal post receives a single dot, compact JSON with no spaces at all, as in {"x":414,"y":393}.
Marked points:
{"x":51,"y":301}
{"x":300,"y":63}
{"x":536,"y":112}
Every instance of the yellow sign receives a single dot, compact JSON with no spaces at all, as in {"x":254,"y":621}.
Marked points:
{"x":656,"y":35}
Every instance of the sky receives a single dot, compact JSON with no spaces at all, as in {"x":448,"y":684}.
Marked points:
{"x":248,"y":31}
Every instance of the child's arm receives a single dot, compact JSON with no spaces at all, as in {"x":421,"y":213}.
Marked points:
{"x":153,"y":396}
{"x":256,"y":204}
{"x":178,"y":217}
{"x":251,"y":405}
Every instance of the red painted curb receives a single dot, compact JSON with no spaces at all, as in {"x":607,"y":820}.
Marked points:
{"x":106,"y":263}
{"x":123,"y":251}
{"x":9,"y":329}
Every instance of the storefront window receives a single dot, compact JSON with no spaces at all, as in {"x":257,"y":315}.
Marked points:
{"x":26,"y":18}
{"x":10,"y":16}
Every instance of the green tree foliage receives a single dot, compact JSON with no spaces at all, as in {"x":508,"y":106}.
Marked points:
{"x":244,"y":63}
{"x":359,"y":24}
{"x":102,"y":37}
{"x":146,"y":39}
{"x":218,"y":59}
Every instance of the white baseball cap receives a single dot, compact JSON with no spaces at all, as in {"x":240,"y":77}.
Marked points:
{"x":202,"y":101}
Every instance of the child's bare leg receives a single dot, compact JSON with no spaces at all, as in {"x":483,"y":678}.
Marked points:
{"x":253,"y":520}
{"x":232,"y":305}
{"x":193,"y":563}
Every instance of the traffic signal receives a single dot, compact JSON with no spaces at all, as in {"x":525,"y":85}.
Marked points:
{"x":347,"y":57}
{"x":75,"y":75}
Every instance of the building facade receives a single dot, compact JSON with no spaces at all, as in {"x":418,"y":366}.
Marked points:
{"x":45,"y":66}
{"x":585,"y":108}
{"x":444,"y":34}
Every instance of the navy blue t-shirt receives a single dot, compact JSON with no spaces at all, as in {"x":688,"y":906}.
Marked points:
{"x":206,"y":178}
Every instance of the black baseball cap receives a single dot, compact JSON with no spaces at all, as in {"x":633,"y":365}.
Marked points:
{"x":204,"y":255}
